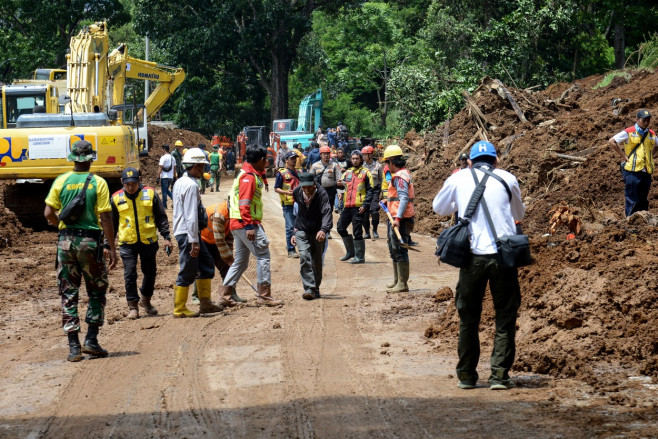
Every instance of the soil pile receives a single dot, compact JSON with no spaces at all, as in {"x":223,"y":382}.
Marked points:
{"x":10,"y":228}
{"x":589,"y":303}
{"x":159,"y":136}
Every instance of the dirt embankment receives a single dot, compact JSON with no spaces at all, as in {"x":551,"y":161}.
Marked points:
{"x":589,"y":304}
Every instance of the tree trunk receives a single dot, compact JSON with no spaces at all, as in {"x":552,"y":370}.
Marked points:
{"x":279,"y":84}
{"x":620,"y":45}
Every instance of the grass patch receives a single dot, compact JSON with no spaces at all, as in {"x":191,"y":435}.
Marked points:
{"x":607,"y":79}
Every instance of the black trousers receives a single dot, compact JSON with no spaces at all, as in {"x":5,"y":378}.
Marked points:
{"x":351,"y":215}
{"x":146,"y":253}
{"x":374,"y":213}
{"x":217,"y":257}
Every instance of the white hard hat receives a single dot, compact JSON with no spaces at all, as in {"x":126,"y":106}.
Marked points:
{"x":193,"y":156}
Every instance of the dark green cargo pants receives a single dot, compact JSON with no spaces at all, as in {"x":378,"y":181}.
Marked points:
{"x":506,"y":294}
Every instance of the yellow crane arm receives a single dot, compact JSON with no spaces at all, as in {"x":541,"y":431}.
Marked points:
{"x":122,"y":67}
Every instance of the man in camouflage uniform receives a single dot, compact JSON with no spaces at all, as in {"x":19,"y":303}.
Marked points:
{"x":80,"y":249}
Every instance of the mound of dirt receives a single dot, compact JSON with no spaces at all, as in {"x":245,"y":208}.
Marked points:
{"x":159,"y":136}
{"x":10,"y":227}
{"x":589,"y":302}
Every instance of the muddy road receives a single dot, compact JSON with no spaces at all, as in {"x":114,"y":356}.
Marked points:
{"x":354,"y":364}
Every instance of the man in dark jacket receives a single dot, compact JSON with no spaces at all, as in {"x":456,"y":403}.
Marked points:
{"x":313,"y":222}
{"x":314,"y":155}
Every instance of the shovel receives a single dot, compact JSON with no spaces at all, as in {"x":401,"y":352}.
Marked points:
{"x":397,"y":232}
{"x":246,"y":279}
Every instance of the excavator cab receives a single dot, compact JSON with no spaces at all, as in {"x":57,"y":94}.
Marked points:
{"x":26,"y":99}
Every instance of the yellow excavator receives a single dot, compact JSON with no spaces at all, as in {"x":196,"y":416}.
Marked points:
{"x":36,"y":137}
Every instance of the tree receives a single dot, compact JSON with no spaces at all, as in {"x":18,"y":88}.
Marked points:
{"x":37,"y":32}
{"x":259,"y":38}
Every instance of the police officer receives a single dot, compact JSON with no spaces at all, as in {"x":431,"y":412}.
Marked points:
{"x":79,"y":248}
{"x":137,"y":214}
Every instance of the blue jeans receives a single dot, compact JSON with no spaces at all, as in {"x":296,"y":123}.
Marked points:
{"x":636,"y":191}
{"x":165,"y":183}
{"x":289,"y":216}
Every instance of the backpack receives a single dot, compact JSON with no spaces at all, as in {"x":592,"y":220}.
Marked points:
{"x":72,"y":211}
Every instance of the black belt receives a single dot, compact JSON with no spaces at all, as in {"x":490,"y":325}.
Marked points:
{"x":85,"y":233}
{"x":397,"y":199}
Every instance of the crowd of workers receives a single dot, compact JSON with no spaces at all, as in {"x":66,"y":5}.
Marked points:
{"x":223,"y":236}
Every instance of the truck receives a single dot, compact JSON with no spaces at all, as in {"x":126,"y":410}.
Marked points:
{"x":34,"y":146}
{"x":308,"y":121}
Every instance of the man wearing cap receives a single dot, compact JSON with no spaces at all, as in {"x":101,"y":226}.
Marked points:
{"x":286,"y":181}
{"x":137,"y":215}
{"x":215,"y":168}
{"x":636,"y":161}
{"x":505,"y":208}
{"x":80,"y":249}
{"x":313,"y":223}
{"x":193,"y":256}
{"x":166,"y":167}
{"x":281,"y":155}
{"x":359,"y":191}
{"x":463,"y":162}
{"x":376,"y":170}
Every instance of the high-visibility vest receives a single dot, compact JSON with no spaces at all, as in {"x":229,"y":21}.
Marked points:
{"x":642,"y":158}
{"x":207,"y":234}
{"x":256,"y":206}
{"x":394,"y":201}
{"x":355,"y":186}
{"x":386,"y":180}
{"x":290,"y":182}
{"x":136,"y":219}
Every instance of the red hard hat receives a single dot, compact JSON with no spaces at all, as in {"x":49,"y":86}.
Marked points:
{"x":325,"y":149}
{"x":367,"y":149}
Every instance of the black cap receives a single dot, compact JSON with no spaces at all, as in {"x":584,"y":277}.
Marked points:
{"x":643,"y":114}
{"x":306,"y":179}
{"x":291,"y":154}
{"x":130,"y":175}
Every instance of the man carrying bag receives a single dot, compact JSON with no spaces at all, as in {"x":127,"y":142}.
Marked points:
{"x":483,"y":266}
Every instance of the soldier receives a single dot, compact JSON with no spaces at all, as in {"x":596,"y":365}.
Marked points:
{"x":215,"y":167}
{"x":79,"y":249}
{"x":178,"y":156}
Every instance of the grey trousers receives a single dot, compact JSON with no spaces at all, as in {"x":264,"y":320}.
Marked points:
{"x":242,"y":247}
{"x":310,"y":260}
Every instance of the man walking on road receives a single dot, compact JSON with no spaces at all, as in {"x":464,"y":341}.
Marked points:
{"x":401,"y":195}
{"x":637,"y":161}
{"x":193,"y":256}
{"x":166,"y":167}
{"x":137,"y":214}
{"x":359,"y":191}
{"x":376,"y":170}
{"x":215,"y":168}
{"x":80,"y":250}
{"x":286,"y":181}
{"x":504,"y":208}
{"x":246,"y":212}
{"x":313,"y":223}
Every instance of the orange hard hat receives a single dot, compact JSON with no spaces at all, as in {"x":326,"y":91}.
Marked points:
{"x":325,"y":149}
{"x":367,"y":149}
{"x":206,"y":175}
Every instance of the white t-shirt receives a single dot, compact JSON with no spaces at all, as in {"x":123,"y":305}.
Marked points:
{"x":167,"y":161}
{"x":456,"y":193}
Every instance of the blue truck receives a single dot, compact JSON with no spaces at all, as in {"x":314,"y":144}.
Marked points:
{"x":308,"y":121}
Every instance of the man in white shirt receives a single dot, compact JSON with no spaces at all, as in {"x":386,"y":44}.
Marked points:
{"x":281,"y":155}
{"x":505,"y":208}
{"x":166,"y":167}
{"x":193,"y":255}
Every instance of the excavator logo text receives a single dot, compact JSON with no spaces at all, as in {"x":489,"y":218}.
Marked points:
{"x":148,"y":76}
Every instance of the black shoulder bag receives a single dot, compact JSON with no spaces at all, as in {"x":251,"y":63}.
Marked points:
{"x":453,"y":246}
{"x":513,"y":250}
{"x":72,"y":211}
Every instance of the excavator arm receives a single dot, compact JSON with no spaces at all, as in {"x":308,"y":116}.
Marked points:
{"x":122,"y":67}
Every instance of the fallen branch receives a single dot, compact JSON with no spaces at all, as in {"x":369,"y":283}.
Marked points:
{"x":446,"y":132}
{"x":469,"y":144}
{"x":573,"y":158}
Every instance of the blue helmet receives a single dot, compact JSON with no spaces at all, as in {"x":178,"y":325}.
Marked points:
{"x":483,"y":148}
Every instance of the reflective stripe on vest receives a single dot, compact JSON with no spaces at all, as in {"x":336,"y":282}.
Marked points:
{"x":255,"y":205}
{"x":355,"y":190}
{"x":642,"y":158}
{"x":289,"y":183}
{"x":136,"y":221}
{"x":394,"y":200}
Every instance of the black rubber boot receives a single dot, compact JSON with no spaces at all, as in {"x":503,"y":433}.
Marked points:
{"x":91,"y":346}
{"x":349,"y":248}
{"x":74,"y":347}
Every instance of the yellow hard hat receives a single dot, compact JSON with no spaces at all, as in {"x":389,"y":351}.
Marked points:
{"x":184,"y":150}
{"x":206,"y":175}
{"x":392,"y":151}
{"x":178,"y":143}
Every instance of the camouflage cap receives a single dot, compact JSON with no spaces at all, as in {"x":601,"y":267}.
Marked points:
{"x":82,"y":151}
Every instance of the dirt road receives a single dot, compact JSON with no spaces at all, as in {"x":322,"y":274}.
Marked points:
{"x":353,"y":364}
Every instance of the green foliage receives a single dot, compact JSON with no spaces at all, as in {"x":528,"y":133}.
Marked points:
{"x":607,"y":79}
{"x":648,"y":53}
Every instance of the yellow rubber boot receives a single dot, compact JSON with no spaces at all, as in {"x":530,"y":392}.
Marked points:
{"x":206,"y":306}
{"x":180,"y":299}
